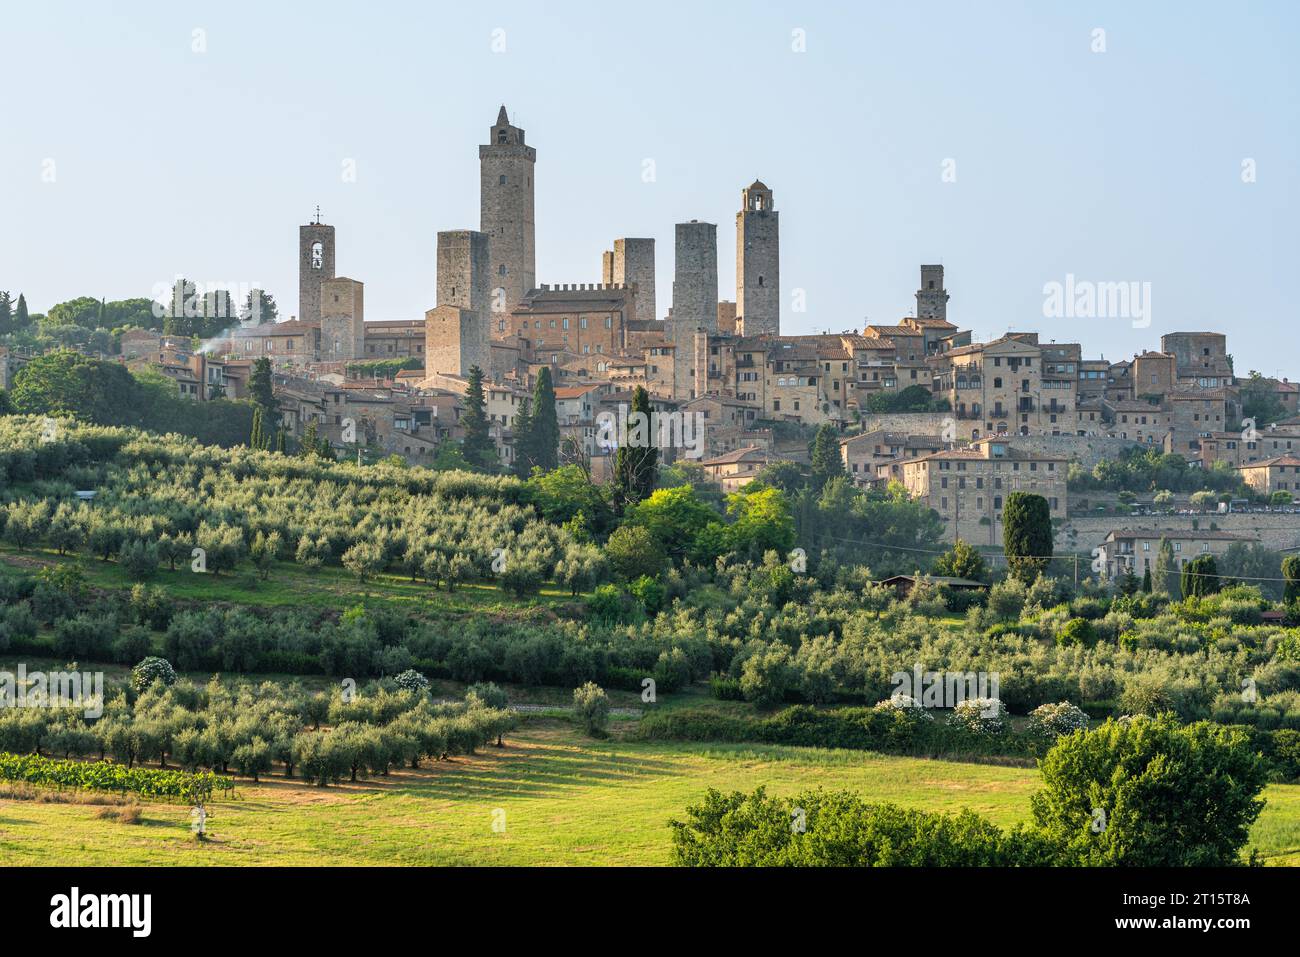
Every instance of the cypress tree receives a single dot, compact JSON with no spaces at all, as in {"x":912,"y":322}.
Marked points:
{"x":478,"y":447}
{"x":524,"y":440}
{"x":545,"y":441}
{"x":21,"y":319}
{"x":1027,"y":535}
{"x":636,"y":465}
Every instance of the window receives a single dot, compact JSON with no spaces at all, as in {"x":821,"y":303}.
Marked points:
{"x":317,"y":256}
{"x":501,"y":181}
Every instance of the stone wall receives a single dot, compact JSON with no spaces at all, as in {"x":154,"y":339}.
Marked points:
{"x":1274,"y":530}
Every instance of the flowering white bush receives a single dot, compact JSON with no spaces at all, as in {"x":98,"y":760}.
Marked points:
{"x":907,"y":705}
{"x":1051,"y":721}
{"x":981,"y":715}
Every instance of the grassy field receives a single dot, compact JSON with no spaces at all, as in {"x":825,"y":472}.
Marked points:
{"x":565,"y":798}
{"x":291,"y":586}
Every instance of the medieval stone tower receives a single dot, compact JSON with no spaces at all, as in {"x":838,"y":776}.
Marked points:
{"x":932,"y":298}
{"x":342,"y":320}
{"x":456,"y":330}
{"x":506,"y":212}
{"x":315,"y":265}
{"x":758,"y":263}
{"x":695,"y":301}
{"x":632,"y":262}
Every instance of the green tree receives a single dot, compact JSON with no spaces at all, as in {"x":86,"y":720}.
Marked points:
{"x":636,"y":464}
{"x":761,"y":522}
{"x":592,"y":706}
{"x":523,"y":428}
{"x":6,"y":313}
{"x":827,"y":462}
{"x":1200,"y":577}
{"x":674,"y":516}
{"x":1291,"y":572}
{"x":1027,"y":534}
{"x":544,"y":431}
{"x":259,"y":307}
{"x":1165,"y":580}
{"x":632,"y":552}
{"x":261,"y":387}
{"x":1260,"y":401}
{"x":69,"y":383}
{"x":961,"y":561}
{"x":21,"y":319}
{"x":1150,"y":792}
{"x":477,"y":446}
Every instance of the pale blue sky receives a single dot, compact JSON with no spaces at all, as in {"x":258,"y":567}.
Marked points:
{"x":1115,"y":166}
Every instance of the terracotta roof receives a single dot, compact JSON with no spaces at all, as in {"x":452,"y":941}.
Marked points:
{"x":1177,"y":533}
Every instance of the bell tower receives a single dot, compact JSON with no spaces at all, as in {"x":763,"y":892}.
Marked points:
{"x":315,"y":265}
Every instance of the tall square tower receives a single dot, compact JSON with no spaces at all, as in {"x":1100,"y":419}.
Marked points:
{"x":758,"y":263}
{"x":506,"y":188}
{"x":315,"y":265}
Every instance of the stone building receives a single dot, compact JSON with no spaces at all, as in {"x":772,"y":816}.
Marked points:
{"x":1137,"y":550}
{"x":578,"y":318}
{"x":1280,"y":474}
{"x":631,"y":263}
{"x":394,"y":339}
{"x":1140,"y":421}
{"x":1194,"y":416}
{"x":342,"y":320}
{"x":758,"y":263}
{"x":932,"y":297}
{"x":506,"y":190}
{"x":879,"y":455}
{"x":968,"y":487}
{"x":1240,"y":448}
{"x":315,"y":266}
{"x":456,"y":329}
{"x":1005,"y":388}
{"x":695,"y":299}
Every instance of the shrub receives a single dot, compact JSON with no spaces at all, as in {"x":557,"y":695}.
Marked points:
{"x":150,"y":670}
{"x":1051,"y":721}
{"x":839,"y":829}
{"x":1077,"y":631}
{"x":980,"y":716}
{"x":592,"y":705}
{"x":1168,"y":795}
{"x":412,"y":680}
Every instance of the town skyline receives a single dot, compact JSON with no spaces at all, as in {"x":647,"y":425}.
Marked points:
{"x":851,"y":243}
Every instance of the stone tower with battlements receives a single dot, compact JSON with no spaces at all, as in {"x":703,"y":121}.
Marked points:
{"x":632,"y":263}
{"x":342,"y":320}
{"x":506,"y":212}
{"x":456,"y":330}
{"x":315,"y":265}
{"x":758,"y":263}
{"x":695,"y":300}
{"x":932,"y":298}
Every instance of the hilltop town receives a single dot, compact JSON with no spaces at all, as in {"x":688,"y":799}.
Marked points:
{"x":957,"y":422}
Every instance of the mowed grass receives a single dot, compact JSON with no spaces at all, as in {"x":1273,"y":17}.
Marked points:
{"x":563,"y":800}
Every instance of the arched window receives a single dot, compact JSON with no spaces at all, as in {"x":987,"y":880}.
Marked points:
{"x":317,"y":256}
